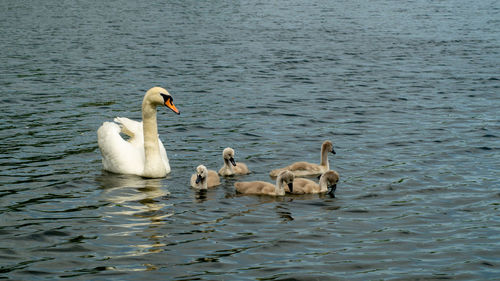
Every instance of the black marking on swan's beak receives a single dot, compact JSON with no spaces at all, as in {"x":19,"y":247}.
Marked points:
{"x":232,"y":161}
{"x":168,"y":101}
{"x":198,"y":179}
{"x":290,"y":186}
{"x":333,"y":151}
{"x":331,"y":190}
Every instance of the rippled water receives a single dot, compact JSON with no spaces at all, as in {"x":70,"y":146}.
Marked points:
{"x":408,"y":91}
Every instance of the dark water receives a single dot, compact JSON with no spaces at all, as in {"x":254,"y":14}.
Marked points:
{"x":408,"y":91}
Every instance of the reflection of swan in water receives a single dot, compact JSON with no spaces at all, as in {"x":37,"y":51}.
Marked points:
{"x":128,"y":190}
{"x":137,"y":209}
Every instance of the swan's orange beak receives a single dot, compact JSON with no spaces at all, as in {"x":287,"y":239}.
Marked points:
{"x":169,"y":104}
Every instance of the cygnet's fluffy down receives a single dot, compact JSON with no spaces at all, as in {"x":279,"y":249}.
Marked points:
{"x":306,"y":169}
{"x":231,"y":167}
{"x":265,"y":188}
{"x":327,"y":184}
{"x":204,"y":178}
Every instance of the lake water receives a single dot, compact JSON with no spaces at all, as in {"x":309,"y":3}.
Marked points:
{"x":408,"y":91}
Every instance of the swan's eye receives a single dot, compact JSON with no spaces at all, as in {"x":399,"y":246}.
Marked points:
{"x":167,"y":98}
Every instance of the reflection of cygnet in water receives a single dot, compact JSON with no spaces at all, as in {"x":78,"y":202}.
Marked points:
{"x":204,"y":178}
{"x":327,"y":181}
{"x":265,"y":188}
{"x":306,"y":169}
{"x":230,"y":166}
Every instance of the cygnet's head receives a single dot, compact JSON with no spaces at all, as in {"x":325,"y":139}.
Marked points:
{"x":201,"y":173}
{"x":328,"y":146}
{"x":157,"y":96}
{"x":228,"y":155}
{"x":287,"y":177}
{"x":332,"y":178}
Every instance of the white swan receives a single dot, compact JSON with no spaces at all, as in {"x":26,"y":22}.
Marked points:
{"x":231,"y":167}
{"x":143,"y":154}
{"x":204,"y":178}
{"x":305,"y":169}
{"x":327,"y":183}
{"x":265,"y":188}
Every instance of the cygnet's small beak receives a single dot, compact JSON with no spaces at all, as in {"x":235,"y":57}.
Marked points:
{"x":170,"y":104}
{"x":198,"y":179}
{"x":333,"y":151}
{"x":290,"y":186}
{"x":331,"y":190}
{"x":232,"y":161}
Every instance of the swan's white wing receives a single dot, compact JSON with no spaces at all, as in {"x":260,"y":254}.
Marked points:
{"x":130,"y":127}
{"x":133,"y":129}
{"x":118,"y":155}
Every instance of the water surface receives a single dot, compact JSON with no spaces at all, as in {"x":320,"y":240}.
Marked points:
{"x":408,"y":91}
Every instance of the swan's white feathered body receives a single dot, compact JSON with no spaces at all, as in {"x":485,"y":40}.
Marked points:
{"x":143,"y":154}
{"x":125,"y":156}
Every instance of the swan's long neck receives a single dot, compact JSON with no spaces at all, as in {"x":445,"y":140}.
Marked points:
{"x":278,"y":188}
{"x":324,"y":158}
{"x":154,"y":166}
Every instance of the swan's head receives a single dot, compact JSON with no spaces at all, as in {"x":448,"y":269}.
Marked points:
{"x":327,"y":146}
{"x":287,"y":177}
{"x":228,"y":155}
{"x":157,"y":96}
{"x":332,"y":178}
{"x":201,"y":173}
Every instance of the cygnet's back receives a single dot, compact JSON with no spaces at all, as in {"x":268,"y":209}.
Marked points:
{"x":265,"y":188}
